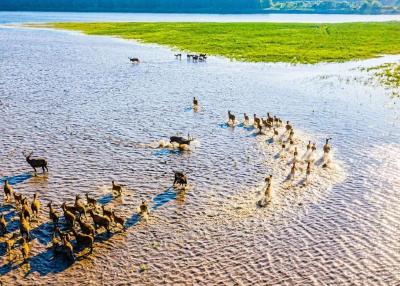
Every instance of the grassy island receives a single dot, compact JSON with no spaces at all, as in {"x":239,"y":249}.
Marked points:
{"x":260,"y":42}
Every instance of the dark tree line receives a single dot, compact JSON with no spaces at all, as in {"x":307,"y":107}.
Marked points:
{"x":132,"y":5}
{"x":338,"y":6}
{"x":210,"y":6}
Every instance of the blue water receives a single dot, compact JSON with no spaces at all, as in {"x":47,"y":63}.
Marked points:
{"x":77,"y":101}
{"x":19,"y":17}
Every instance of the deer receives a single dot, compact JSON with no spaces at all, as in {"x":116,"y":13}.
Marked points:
{"x":119,"y":220}
{"x":35,"y":205}
{"x":54,"y":216}
{"x":25,"y":249}
{"x":17,"y":198}
{"x":231,"y":117}
{"x":327,"y":146}
{"x":144,"y":208}
{"x":116,"y":188}
{"x":90,"y":201}
{"x":99,"y":220}
{"x":67,"y":247}
{"x":180,"y":179}
{"x":195,"y":102}
{"x":134,"y":60}
{"x":24,"y":227}
{"x":79,"y":206}
{"x":288,"y":126}
{"x":8,"y":191}
{"x":36,"y":163}
{"x":202,"y":57}
{"x":180,"y":140}
{"x":257,"y":120}
{"x":246,"y":118}
{"x":108,"y":213}
{"x":25,"y":209}
{"x":86,"y":228}
{"x":327,"y":149}
{"x":3,"y":224}
{"x":10,"y":243}
{"x":268,"y":180}
{"x":308,"y":172}
{"x":84,"y":239}
{"x":69,"y":216}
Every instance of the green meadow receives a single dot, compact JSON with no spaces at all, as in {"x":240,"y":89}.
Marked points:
{"x":260,"y":42}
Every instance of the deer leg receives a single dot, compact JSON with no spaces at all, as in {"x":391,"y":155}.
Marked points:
{"x":46,"y":169}
{"x":43,"y":170}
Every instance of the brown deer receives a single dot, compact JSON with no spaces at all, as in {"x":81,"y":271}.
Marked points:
{"x":84,"y":239}
{"x":8,"y":191}
{"x":231,"y":117}
{"x":53,"y":215}
{"x":134,"y":60}
{"x":35,"y":205}
{"x":36,"y":163}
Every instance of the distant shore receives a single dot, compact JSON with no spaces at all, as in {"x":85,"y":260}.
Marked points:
{"x":221,"y":12}
{"x":304,"y":43}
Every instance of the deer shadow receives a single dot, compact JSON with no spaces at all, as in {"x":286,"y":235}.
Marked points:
{"x":166,"y":152}
{"x":163,"y":198}
{"x":16,"y":179}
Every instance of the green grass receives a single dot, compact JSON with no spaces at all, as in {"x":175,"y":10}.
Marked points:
{"x":260,"y":42}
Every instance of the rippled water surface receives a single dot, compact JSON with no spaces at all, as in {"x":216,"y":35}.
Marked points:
{"x":77,"y":101}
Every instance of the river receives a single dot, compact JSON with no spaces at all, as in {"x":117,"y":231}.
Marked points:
{"x":77,"y":101}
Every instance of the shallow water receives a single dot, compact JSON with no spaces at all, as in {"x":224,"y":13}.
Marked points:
{"x":18,"y":17}
{"x":77,"y":101}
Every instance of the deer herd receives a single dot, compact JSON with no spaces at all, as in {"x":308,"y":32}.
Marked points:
{"x":81,"y":220}
{"x":85,"y":217}
{"x":283,"y":135}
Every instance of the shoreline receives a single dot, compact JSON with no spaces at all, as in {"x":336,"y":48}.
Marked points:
{"x":293,"y":43}
{"x":385,"y":79}
{"x":216,"y":12}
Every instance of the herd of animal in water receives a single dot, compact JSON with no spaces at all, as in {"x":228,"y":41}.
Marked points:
{"x":189,"y":57}
{"x":76,"y":222}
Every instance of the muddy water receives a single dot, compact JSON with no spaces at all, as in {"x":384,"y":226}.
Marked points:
{"x":77,"y":101}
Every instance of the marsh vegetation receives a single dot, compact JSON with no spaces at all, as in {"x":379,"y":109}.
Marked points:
{"x":260,"y":42}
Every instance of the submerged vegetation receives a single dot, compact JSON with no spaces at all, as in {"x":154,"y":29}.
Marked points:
{"x":389,"y":75}
{"x":260,"y":42}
